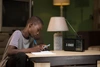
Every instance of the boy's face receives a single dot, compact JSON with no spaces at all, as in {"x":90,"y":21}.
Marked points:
{"x":34,"y":30}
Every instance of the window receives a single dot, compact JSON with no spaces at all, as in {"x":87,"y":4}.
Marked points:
{"x":15,"y":13}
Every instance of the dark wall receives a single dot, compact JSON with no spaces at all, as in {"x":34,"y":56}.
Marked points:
{"x":78,"y":17}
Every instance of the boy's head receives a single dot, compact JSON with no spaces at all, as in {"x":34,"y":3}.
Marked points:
{"x":34,"y":26}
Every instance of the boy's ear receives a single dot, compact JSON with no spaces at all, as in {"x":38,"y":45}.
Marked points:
{"x":30,"y":24}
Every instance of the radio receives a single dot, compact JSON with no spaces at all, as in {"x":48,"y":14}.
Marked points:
{"x":73,"y":44}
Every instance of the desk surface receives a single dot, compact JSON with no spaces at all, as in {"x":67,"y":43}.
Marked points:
{"x":88,"y":57}
{"x":66,"y":53}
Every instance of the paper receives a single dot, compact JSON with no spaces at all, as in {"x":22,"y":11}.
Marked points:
{"x":43,"y":53}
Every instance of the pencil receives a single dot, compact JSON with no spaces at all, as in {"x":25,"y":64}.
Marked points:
{"x":35,"y":42}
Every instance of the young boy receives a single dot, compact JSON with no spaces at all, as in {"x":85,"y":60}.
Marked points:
{"x":22,"y":41}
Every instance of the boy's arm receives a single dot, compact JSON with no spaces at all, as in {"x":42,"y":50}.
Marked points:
{"x":13,"y":50}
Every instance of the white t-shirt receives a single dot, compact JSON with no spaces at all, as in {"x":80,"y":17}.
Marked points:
{"x":19,"y":41}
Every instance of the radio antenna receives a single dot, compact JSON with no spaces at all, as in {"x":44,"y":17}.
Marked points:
{"x":72,"y":28}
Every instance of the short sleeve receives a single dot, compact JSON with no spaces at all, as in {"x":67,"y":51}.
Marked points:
{"x":14,"y":38}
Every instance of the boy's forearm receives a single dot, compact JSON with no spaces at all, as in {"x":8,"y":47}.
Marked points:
{"x":15,"y":51}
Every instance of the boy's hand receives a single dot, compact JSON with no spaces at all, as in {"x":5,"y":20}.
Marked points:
{"x":38,"y":48}
{"x":45,"y":47}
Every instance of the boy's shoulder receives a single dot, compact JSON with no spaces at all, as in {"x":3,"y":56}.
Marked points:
{"x":17,"y":32}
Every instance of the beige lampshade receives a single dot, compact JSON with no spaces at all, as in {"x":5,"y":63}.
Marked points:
{"x":57,"y":24}
{"x":61,"y":2}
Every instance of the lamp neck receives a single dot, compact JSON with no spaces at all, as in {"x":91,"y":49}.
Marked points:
{"x":61,"y":10}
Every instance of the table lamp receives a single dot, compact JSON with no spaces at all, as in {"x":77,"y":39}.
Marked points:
{"x":61,"y":3}
{"x":57,"y":24}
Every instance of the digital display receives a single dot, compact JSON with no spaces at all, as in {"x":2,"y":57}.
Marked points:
{"x":70,"y":44}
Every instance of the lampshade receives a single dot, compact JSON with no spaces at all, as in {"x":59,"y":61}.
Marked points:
{"x":61,"y":2}
{"x":57,"y":24}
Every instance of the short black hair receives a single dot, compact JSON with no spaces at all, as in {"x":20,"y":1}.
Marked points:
{"x":35,"y":20}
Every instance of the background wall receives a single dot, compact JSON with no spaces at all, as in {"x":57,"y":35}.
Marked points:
{"x":78,"y":13}
{"x":0,"y":14}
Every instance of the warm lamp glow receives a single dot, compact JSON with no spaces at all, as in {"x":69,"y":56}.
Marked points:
{"x":61,"y":2}
{"x":57,"y":24}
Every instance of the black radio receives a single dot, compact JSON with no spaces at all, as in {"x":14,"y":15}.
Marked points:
{"x":73,"y":44}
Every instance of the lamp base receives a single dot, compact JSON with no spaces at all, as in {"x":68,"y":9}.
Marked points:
{"x":58,"y":41}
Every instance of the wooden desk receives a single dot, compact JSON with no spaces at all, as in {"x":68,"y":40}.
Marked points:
{"x":80,"y":59}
